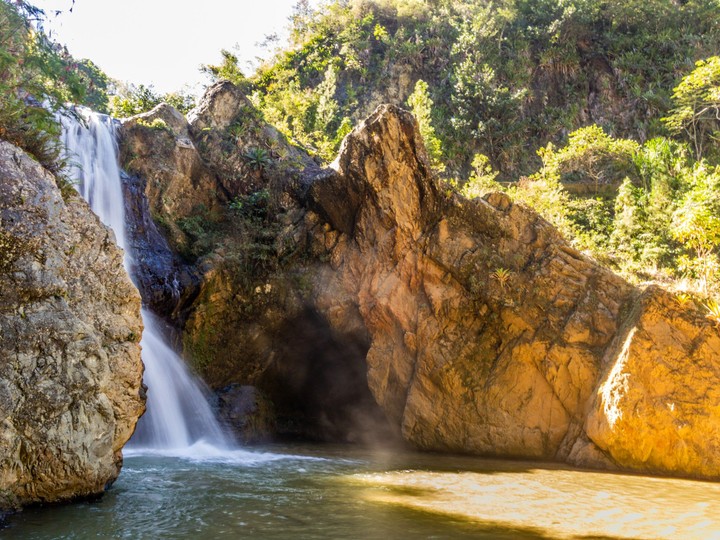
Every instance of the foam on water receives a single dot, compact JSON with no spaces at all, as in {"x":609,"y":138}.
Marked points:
{"x":204,"y":452}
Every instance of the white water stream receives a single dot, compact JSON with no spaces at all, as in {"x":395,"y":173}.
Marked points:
{"x":179,"y":419}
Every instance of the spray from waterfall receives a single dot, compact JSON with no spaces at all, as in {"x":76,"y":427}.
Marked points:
{"x":179,"y":418}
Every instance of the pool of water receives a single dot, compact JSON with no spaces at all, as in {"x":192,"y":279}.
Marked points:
{"x":309,"y":492}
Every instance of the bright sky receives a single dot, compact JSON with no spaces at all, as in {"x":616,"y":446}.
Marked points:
{"x":164,"y":42}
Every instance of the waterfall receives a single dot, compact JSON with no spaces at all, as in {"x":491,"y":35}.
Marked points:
{"x":179,"y":419}
{"x":91,"y":152}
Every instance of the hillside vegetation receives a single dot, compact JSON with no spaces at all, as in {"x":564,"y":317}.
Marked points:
{"x":36,"y":77}
{"x":504,"y":77}
{"x":600,"y":114}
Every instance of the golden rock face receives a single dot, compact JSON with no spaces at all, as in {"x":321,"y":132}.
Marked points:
{"x":657,"y":404}
{"x":491,"y":335}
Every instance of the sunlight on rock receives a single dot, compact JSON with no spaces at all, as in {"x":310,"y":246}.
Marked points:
{"x":611,"y":394}
{"x":557,"y":503}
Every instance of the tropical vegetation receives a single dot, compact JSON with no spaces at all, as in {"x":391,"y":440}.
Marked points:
{"x":603,"y":115}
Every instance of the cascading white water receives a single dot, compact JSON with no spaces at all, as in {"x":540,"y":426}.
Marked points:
{"x":178,"y":418}
{"x":91,"y":152}
{"x":178,"y":413}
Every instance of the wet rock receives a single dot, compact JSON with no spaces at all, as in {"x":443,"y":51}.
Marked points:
{"x":166,"y":283}
{"x":70,"y":368}
{"x":248,"y":412}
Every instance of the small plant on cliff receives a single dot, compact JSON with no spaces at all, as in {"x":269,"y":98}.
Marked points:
{"x":157,"y":124}
{"x":683,"y":299}
{"x":713,"y":311}
{"x":502,"y":276}
{"x":257,"y":158}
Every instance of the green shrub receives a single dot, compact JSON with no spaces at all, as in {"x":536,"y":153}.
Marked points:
{"x":157,"y":124}
{"x":591,"y":156}
{"x":33,"y":70}
{"x":696,"y":100}
{"x":132,"y":100}
{"x":482,"y":179}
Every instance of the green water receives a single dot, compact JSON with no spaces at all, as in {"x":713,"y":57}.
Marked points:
{"x":306,"y":492}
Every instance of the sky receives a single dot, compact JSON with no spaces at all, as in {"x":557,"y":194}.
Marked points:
{"x":164,"y":42}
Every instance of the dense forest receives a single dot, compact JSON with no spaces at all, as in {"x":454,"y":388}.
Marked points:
{"x":603,"y":115}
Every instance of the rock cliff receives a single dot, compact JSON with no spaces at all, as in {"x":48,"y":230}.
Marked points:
{"x":491,"y":335}
{"x":240,"y":229}
{"x":70,"y":368}
{"x":472,"y":324}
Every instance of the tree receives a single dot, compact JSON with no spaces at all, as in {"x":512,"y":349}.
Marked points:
{"x":96,"y":83}
{"x":697,"y":105}
{"x":228,"y":70}
{"x":421,"y":106}
{"x":482,"y":178}
{"x":696,"y":223}
{"x":327,"y":107}
{"x":131,"y":100}
{"x":544,"y":193}
{"x":300,"y":21}
{"x":629,"y":222}
{"x":134,"y":100}
{"x":182,"y":101}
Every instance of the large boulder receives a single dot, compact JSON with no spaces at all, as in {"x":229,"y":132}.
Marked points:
{"x":489,"y":334}
{"x":245,"y":152}
{"x":179,"y":187}
{"x":657,"y":407}
{"x":487,"y":329}
{"x":70,"y":369}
